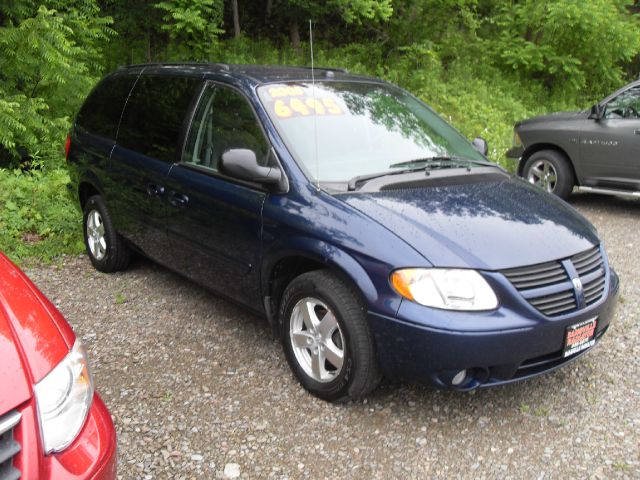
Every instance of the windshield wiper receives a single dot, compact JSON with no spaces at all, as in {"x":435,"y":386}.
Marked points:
{"x":416,"y":166}
{"x":351,"y":185}
{"x":423,"y":162}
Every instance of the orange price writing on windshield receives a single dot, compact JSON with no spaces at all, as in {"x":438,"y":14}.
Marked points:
{"x":299,"y":107}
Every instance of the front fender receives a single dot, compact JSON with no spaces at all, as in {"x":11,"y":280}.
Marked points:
{"x":323,"y":253}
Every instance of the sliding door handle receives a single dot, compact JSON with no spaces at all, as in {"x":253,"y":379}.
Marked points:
{"x":178,"y":199}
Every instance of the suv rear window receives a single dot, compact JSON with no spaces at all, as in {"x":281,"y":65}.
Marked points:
{"x":100,"y":113}
{"x":155,"y":114}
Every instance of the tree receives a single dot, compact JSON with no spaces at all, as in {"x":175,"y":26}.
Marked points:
{"x":193,"y":25}
{"x":50,"y":56}
{"x":296,"y":12}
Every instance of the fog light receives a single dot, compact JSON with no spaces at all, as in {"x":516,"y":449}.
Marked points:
{"x":459,"y":378}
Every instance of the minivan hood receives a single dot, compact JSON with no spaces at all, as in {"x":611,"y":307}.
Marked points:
{"x":486,"y":225}
{"x":554,"y":117}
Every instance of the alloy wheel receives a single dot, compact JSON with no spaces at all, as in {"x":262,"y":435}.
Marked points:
{"x":95,"y":235}
{"x":543,"y":174}
{"x":316,"y":340}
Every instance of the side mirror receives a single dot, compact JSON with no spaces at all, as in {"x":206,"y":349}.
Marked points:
{"x":241,"y":163}
{"x":481,"y":145}
{"x":597,"y":112}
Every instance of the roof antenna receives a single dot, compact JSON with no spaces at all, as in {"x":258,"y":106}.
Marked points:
{"x":315,"y":116}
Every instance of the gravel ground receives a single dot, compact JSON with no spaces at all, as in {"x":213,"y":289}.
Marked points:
{"x":198,"y":389}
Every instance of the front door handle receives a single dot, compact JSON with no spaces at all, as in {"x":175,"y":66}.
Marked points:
{"x":154,"y":190}
{"x":178,"y":199}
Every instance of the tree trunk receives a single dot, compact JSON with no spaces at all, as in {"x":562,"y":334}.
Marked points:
{"x":148,"y":45}
{"x":294,"y":34}
{"x":267,"y":13}
{"x":236,"y":18}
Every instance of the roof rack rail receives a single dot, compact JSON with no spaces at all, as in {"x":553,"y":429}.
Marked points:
{"x":223,"y":66}
{"x":329,"y":69}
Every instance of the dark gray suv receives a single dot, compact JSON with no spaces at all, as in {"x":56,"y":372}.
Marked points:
{"x":596,"y":150}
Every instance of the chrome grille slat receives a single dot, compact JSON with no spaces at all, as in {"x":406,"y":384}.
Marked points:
{"x":543,"y":267}
{"x":589,"y":266}
{"x":536,"y":282}
{"x":9,"y":448}
{"x":565,"y":302}
{"x":593,"y":286}
{"x":595,"y":251}
{"x":568,"y":295}
{"x":539,"y":283}
{"x":537,"y":275}
{"x":556,"y":311}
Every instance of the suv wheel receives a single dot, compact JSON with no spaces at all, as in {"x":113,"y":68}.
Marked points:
{"x":551,"y":171}
{"x":107,"y":251}
{"x":326,"y":337}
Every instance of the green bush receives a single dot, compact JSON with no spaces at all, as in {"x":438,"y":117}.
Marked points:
{"x":37,"y":217}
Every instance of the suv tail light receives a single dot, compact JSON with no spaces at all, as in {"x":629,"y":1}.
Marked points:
{"x":67,"y":146}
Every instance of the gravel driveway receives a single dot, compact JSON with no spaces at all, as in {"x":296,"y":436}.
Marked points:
{"x":198,"y":389}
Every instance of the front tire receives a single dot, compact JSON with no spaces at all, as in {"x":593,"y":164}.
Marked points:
{"x":326,"y":337}
{"x":551,"y":171}
{"x":106,"y":249}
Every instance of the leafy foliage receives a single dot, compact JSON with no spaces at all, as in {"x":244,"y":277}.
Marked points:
{"x":189,"y":22}
{"x":48,"y":63}
{"x":483,"y":64}
{"x":38,"y":219}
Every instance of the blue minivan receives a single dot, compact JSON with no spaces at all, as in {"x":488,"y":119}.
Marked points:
{"x":376,"y":240}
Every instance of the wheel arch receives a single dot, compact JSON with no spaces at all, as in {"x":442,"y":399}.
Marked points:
{"x":88,"y":186}
{"x":281,"y":267}
{"x":86,"y":190}
{"x":530,"y":150}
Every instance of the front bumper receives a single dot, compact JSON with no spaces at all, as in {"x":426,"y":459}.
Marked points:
{"x":515,"y":152}
{"x":92,"y":455}
{"x":509,"y":344}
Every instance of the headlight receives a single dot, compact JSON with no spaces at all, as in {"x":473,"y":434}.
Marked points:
{"x":450,"y":289}
{"x":63,"y":398}
{"x":517,"y":141}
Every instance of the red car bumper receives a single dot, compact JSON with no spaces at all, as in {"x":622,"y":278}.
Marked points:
{"x":91,"y":456}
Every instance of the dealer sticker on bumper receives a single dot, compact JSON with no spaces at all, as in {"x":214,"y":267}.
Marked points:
{"x":579,"y":337}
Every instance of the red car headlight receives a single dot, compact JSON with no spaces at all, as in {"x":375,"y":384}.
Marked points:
{"x":64,"y":397}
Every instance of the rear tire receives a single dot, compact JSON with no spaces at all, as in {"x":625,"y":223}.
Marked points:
{"x":107,"y":251}
{"x":326,"y":337}
{"x":550,"y":170}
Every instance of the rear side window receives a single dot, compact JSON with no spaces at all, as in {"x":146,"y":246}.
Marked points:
{"x":155,"y":114}
{"x":100,"y":113}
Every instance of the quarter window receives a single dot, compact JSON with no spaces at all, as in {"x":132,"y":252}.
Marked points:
{"x":224,"y":120}
{"x":100,"y":114}
{"x":154,"y":115}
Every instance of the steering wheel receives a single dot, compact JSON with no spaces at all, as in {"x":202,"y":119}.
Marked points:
{"x":631,"y":112}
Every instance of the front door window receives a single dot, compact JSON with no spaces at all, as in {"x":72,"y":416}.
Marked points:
{"x":224,"y":120}
{"x":625,"y":105}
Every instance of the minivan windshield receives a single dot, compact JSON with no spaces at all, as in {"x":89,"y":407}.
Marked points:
{"x":339,"y":130}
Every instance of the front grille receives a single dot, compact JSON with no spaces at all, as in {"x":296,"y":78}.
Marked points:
{"x":537,"y":276}
{"x":555,"y":304}
{"x":9,"y":448}
{"x":590,"y":265}
{"x":548,"y":286}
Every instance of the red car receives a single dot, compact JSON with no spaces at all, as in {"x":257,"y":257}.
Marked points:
{"x":52,"y":424}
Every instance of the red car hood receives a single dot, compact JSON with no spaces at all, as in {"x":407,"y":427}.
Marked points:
{"x":34,"y":337}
